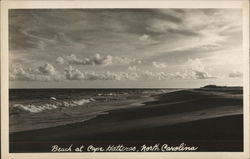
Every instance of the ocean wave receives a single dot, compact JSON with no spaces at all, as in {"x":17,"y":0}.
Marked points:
{"x":32,"y":108}
{"x":36,"y":108}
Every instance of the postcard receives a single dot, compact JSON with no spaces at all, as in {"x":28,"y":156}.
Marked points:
{"x":125,"y":79}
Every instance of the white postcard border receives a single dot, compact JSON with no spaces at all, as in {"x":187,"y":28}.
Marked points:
{"x":5,"y":5}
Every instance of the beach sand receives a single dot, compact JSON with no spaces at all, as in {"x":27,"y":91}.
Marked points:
{"x":210,"y":118}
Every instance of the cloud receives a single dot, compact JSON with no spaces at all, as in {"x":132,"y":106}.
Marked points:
{"x":60,"y":60}
{"x":132,"y":68}
{"x":149,"y":75}
{"x":124,"y":37}
{"x":18,"y":72}
{"x":159,"y":64}
{"x":179,"y":75}
{"x":161,"y":26}
{"x":201,"y":75}
{"x":205,"y":30}
{"x":195,"y":64}
{"x":196,"y":69}
{"x":72,"y":59}
{"x":97,"y":59}
{"x":155,"y":75}
{"x":126,"y":60}
{"x":46,"y":72}
{"x":144,"y":37}
{"x":175,"y":75}
{"x":119,"y":76}
{"x":162,"y":76}
{"x":236,"y":74}
{"x":107,"y":75}
{"x":73,"y":74}
{"x":47,"y":69}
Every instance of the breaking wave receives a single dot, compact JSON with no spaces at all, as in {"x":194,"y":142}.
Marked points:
{"x":36,"y":108}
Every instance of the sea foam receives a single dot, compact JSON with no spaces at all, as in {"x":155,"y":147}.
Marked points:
{"x":36,"y":108}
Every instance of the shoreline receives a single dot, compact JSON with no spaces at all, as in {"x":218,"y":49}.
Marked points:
{"x":90,"y":111}
{"x":84,"y":113}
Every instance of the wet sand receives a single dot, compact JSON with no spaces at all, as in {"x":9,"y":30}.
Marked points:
{"x":211,"y":119}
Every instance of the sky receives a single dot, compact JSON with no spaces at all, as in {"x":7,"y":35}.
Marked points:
{"x":125,"y":48}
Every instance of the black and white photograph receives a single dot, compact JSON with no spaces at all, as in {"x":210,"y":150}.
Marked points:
{"x":125,"y":80}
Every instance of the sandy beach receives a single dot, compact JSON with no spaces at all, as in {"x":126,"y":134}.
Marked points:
{"x":73,"y":111}
{"x":210,"y":118}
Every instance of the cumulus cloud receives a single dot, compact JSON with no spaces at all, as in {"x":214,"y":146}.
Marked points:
{"x":235,"y":74}
{"x":18,"y":72}
{"x":107,"y":75}
{"x":195,"y":64}
{"x":47,"y":69}
{"x":201,"y":74}
{"x":132,"y":68}
{"x":179,"y":75}
{"x":155,"y":75}
{"x":162,"y":76}
{"x":126,"y":60}
{"x":46,"y":72}
{"x":120,"y":76}
{"x":166,"y":76}
{"x":144,"y":37}
{"x":72,"y":59}
{"x":97,"y":59}
{"x":197,"y":69}
{"x":159,"y":64}
{"x":60,"y":60}
{"x":75,"y":74}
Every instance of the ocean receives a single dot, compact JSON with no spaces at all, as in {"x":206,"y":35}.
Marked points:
{"x":38,"y":100}
{"x":42,"y":108}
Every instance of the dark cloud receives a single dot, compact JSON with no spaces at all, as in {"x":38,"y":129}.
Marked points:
{"x":29,"y":26}
{"x":184,"y":32}
{"x":201,"y":75}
